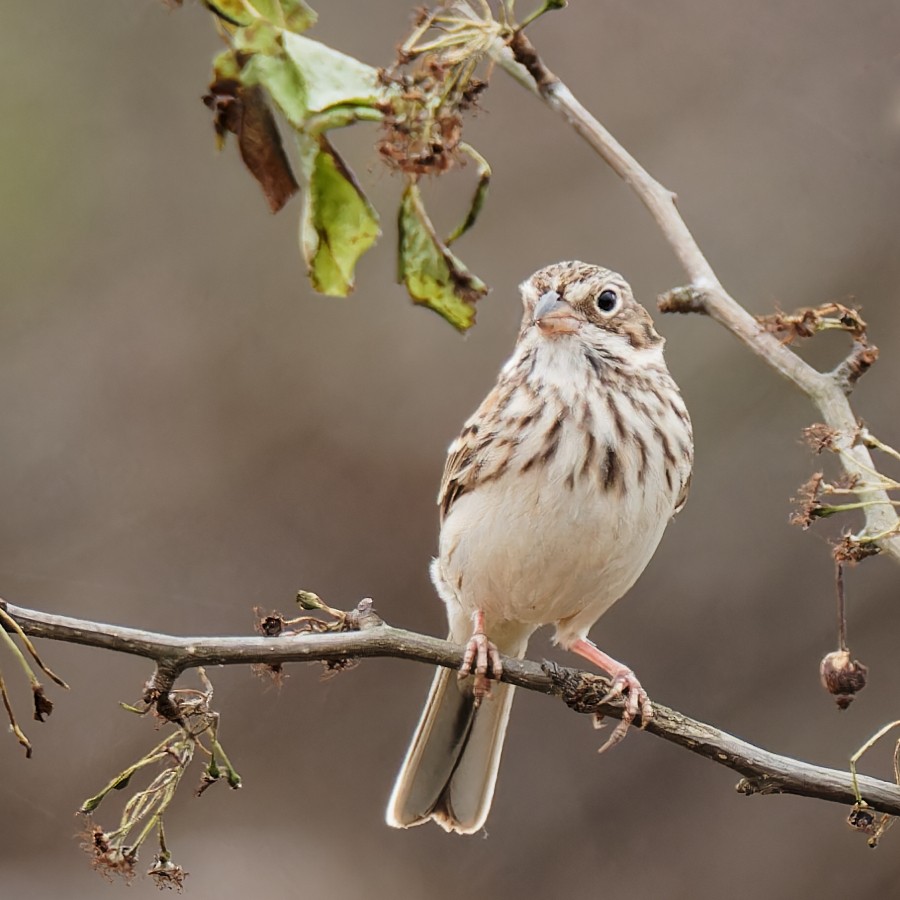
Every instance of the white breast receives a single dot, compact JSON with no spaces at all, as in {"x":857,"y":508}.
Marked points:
{"x":558,"y":541}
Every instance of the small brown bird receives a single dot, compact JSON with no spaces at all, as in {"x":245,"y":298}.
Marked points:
{"x":554,"y":499}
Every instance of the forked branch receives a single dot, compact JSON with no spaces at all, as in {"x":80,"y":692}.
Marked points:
{"x":828,"y":391}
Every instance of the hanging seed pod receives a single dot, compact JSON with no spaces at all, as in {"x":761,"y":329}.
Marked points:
{"x":842,"y":676}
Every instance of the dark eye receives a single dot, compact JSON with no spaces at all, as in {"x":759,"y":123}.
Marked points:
{"x":607,"y":301}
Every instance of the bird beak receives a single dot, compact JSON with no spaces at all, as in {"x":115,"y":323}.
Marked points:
{"x":553,"y":315}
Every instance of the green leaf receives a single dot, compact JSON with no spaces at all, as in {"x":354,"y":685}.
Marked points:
{"x":339,"y":117}
{"x":433,"y":276}
{"x":260,"y":36}
{"x":317,"y":88}
{"x":338,"y":224}
{"x":279,"y":76}
{"x":332,"y":78}
{"x":480,"y":195}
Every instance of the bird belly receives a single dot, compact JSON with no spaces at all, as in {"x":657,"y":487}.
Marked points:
{"x":528,"y":548}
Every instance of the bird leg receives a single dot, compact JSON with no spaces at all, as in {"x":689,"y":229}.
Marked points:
{"x":480,"y":652}
{"x":624,"y":685}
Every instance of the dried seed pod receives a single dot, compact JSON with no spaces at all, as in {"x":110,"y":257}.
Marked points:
{"x":842,"y":676}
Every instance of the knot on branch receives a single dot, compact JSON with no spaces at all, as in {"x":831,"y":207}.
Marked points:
{"x":363,"y":617}
{"x":686,"y":299}
{"x":525,"y":55}
{"x":860,"y":360}
{"x":580,"y":691}
{"x":758,"y":784}
{"x":157,"y":694}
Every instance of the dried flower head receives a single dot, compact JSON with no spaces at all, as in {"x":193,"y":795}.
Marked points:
{"x":862,"y":818}
{"x":422,"y":125}
{"x":269,"y":624}
{"x":432,"y":83}
{"x":809,"y":505}
{"x":107,"y":857}
{"x":852,"y":550}
{"x":805,"y":322}
{"x":820,"y":437}
{"x":167,"y":875}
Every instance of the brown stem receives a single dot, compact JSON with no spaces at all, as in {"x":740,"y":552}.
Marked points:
{"x":841,"y":608}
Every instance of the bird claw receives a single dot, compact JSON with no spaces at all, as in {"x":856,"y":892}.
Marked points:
{"x":483,"y":655}
{"x":626,"y":687}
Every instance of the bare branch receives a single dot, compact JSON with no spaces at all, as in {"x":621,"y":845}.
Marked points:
{"x":827,"y":391}
{"x":763,"y":772}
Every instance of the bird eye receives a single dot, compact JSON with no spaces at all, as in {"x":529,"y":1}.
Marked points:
{"x":608,"y":301}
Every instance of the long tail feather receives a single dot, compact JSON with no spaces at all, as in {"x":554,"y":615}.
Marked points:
{"x":450,"y":769}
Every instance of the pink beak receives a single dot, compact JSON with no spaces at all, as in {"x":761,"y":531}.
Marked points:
{"x":554,"y":316}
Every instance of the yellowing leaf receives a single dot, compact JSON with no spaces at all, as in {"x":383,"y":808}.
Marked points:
{"x":433,"y":276}
{"x":338,"y":224}
{"x":293,"y":15}
{"x":233,"y":11}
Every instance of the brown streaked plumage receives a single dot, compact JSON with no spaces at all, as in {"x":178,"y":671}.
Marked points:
{"x":554,"y":498}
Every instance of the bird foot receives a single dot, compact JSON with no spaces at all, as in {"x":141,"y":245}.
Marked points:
{"x":481,"y":657}
{"x":625,"y":686}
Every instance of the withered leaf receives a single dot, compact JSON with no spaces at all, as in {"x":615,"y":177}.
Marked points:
{"x":433,"y":276}
{"x":43,"y":705}
{"x":243,"y":111}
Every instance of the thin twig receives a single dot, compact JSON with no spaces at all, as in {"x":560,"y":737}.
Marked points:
{"x":841,"y":605}
{"x":827,"y":391}
{"x":13,"y":724}
{"x":13,"y":625}
{"x":763,"y":772}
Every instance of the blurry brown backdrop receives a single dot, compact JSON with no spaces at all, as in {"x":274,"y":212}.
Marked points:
{"x":188,"y":432}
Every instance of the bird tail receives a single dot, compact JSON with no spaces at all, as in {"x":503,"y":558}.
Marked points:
{"x":451,"y":767}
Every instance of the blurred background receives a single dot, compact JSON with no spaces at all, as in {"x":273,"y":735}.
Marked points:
{"x":189,"y":432}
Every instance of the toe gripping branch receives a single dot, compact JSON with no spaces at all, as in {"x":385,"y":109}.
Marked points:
{"x":587,"y":693}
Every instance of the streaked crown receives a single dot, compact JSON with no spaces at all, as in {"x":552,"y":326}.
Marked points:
{"x":590,"y":298}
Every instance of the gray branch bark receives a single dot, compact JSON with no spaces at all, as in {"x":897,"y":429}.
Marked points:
{"x":763,"y":772}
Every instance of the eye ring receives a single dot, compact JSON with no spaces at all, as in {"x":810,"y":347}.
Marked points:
{"x":608,"y":301}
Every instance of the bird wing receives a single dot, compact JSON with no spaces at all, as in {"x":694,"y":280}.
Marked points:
{"x":478,"y":454}
{"x":683,"y":494}
{"x":461,"y":468}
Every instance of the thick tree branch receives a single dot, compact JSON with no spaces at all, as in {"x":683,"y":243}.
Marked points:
{"x":827,"y":391}
{"x":764,"y":772}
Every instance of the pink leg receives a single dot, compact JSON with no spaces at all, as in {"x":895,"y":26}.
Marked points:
{"x":624,"y":685}
{"x":480,"y":651}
